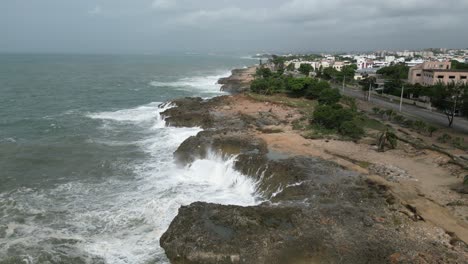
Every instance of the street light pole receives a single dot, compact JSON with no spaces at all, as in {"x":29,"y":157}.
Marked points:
{"x":368,"y":96}
{"x":344,"y":78}
{"x":401,"y":98}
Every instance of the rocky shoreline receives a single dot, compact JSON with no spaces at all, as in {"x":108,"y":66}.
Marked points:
{"x":314,"y":211}
{"x":238,"y":81}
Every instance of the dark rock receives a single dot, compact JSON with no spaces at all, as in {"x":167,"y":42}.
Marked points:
{"x":314,"y":210}
{"x":238,"y":82}
{"x":190,"y":112}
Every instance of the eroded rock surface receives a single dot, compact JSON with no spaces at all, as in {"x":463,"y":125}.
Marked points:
{"x":239,"y":81}
{"x":313,"y":210}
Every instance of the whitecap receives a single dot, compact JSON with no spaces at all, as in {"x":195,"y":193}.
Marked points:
{"x":199,"y":83}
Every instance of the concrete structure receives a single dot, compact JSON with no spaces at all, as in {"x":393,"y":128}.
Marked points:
{"x":338,"y":65}
{"x":431,"y":77}
{"x":389,"y":59}
{"x":363,"y":63}
{"x":413,"y":63}
{"x":432,"y":72}
{"x":364,"y":73}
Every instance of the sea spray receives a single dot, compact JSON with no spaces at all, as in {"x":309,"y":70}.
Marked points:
{"x":196,"y":83}
{"x":120,"y":220}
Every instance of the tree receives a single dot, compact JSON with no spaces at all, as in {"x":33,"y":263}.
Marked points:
{"x":263,"y":72}
{"x":464,"y":106}
{"x":367,"y":83}
{"x":331,"y":116}
{"x":305,"y":69}
{"x":297,"y":85}
{"x":347,"y":72}
{"x":329,"y":73}
{"x":456,"y":65}
{"x":278,"y":61}
{"x":290,"y":67}
{"x":448,"y":98}
{"x":315,"y":88}
{"x":351,"y":129}
{"x":329,"y":97}
{"x":397,"y":71}
{"x":387,"y":138}
{"x":393,"y":87}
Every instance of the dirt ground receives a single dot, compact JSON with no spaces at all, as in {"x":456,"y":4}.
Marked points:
{"x":422,"y":179}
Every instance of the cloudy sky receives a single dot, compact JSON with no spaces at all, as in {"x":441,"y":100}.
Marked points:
{"x":158,"y":26}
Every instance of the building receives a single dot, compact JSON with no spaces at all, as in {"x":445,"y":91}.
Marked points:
{"x":364,"y":63}
{"x":364,"y":73}
{"x":338,"y":65}
{"x":432,"y":72}
{"x":413,"y":63}
{"x":434,"y":76}
{"x":389,"y":59}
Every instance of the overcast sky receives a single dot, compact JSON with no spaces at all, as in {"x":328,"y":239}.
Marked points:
{"x":158,"y":26}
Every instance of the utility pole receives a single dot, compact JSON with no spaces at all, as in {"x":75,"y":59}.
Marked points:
{"x":370,"y":87}
{"x":344,"y":81}
{"x":401,"y":98}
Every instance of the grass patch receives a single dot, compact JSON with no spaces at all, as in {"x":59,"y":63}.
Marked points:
{"x":301,"y":103}
{"x":370,"y":123}
{"x":319,"y":132}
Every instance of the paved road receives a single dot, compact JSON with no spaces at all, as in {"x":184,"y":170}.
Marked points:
{"x":459,"y":124}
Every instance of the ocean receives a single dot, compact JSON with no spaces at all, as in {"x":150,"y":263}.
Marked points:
{"x":86,"y":162}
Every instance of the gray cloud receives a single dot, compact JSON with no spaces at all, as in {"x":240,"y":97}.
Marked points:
{"x":141,"y":26}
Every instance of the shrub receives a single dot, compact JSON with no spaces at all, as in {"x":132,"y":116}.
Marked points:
{"x":408,"y":123}
{"x":331,"y":116}
{"x":376,"y":110}
{"x":351,"y":129}
{"x":387,"y":138}
{"x":399,"y":118}
{"x":389,"y":114}
{"x":263,"y":72}
{"x":315,"y":88}
{"x":458,"y":142}
{"x":431,"y":130}
{"x":351,"y":102}
{"x":419,"y":125}
{"x":445,"y":138}
{"x":329,"y":97}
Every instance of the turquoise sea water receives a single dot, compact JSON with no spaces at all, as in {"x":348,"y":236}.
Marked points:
{"x":86,"y":169}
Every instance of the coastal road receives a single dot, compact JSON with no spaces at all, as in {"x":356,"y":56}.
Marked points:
{"x":459,"y":124}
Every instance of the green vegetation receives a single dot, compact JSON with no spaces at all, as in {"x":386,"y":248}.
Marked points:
{"x":290,"y":67}
{"x":387,"y":139}
{"x":338,"y":119}
{"x":397,"y":71}
{"x":449,"y":98}
{"x":456,"y":65}
{"x":305,"y":69}
{"x":329,"y":117}
{"x":268,"y":83}
{"x":301,"y":103}
{"x":457,"y":142}
{"x":346,"y":73}
{"x":329,"y":97}
{"x":419,"y":126}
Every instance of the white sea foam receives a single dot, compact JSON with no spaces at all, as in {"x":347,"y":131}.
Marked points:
{"x":121,"y":220}
{"x":199,"y":83}
{"x":142,"y":113}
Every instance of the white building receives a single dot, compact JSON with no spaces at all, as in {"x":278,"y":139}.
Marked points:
{"x":338,"y":65}
{"x":413,"y":63}
{"x":389,"y":59}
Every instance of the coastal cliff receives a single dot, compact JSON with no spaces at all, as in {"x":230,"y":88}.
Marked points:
{"x":312,"y":210}
{"x":239,"y":81}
